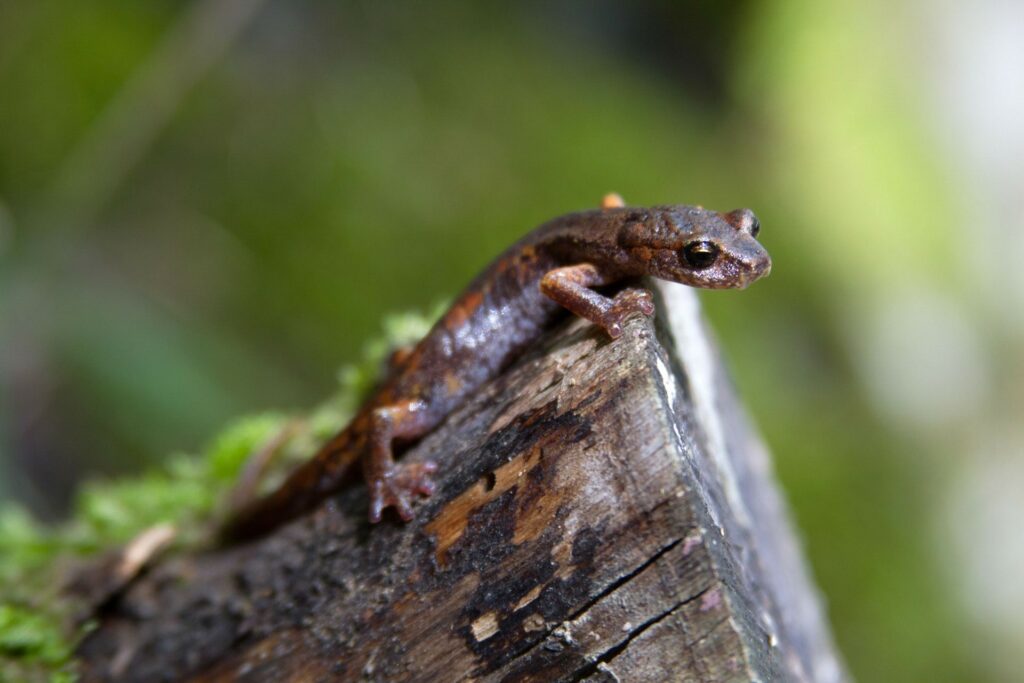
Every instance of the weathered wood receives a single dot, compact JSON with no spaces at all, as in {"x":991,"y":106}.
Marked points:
{"x":604,"y":512}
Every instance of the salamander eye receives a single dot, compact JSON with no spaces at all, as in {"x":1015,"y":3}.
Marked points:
{"x":700,"y":254}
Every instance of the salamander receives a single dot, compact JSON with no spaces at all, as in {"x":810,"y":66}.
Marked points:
{"x":504,"y":309}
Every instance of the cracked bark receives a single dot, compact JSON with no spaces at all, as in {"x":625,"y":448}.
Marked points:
{"x":604,"y":512}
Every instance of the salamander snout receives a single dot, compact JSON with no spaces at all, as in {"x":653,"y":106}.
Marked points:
{"x":748,"y":259}
{"x":697,"y":246}
{"x":715,"y":250}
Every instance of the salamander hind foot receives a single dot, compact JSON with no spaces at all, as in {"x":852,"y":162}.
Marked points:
{"x":397,"y":487}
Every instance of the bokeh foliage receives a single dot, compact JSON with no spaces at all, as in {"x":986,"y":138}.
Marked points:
{"x":348,"y":159}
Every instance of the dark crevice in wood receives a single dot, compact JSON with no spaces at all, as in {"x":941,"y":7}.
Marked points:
{"x":608,"y":590}
{"x":610,"y":654}
{"x":618,"y":583}
{"x":540,"y":639}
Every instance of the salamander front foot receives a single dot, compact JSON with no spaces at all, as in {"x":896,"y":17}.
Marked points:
{"x":625,"y":303}
{"x":398,"y":485}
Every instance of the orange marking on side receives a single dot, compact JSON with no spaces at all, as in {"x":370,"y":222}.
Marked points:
{"x":462,"y":310}
{"x":452,"y":383}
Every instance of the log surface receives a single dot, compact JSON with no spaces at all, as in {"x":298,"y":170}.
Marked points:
{"x":604,"y":512}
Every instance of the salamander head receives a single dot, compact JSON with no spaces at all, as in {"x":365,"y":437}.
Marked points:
{"x":696,"y":246}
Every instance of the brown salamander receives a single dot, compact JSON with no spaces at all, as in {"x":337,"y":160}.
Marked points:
{"x":503,"y":310}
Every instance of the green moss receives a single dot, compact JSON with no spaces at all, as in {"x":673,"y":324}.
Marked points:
{"x":24,"y":633}
{"x":36,"y":642}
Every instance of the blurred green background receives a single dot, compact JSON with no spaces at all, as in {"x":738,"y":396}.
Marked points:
{"x":207,"y":207}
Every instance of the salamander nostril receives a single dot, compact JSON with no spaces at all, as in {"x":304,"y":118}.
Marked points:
{"x":745,"y":220}
{"x":755,"y":225}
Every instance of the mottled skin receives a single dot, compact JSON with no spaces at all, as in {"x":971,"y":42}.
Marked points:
{"x":498,"y":315}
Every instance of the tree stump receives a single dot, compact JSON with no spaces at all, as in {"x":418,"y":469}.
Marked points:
{"x":604,"y":512}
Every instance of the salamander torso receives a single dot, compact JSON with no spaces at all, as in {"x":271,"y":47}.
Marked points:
{"x":502,"y":311}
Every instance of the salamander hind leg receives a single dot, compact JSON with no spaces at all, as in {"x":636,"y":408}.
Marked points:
{"x":394,"y":484}
{"x":571,"y":287}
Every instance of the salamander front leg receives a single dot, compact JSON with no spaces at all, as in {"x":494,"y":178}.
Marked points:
{"x":393,"y":484}
{"x":571,"y":287}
